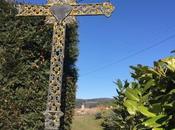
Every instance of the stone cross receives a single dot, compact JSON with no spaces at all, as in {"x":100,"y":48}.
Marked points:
{"x":59,"y":14}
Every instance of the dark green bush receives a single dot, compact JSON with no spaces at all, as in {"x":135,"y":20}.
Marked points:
{"x":98,"y":115}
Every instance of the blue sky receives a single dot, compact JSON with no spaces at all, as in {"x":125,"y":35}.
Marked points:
{"x":138,"y":32}
{"x":104,"y":43}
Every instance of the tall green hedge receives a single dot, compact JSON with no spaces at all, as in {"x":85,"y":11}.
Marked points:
{"x":69,"y":78}
{"x":25,"y":45}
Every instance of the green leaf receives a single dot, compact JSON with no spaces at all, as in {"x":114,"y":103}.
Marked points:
{"x":138,"y":92}
{"x":119,"y":84}
{"x":152,"y":122}
{"x":131,"y":106}
{"x":144,"y":111}
{"x":145,"y":97}
{"x":135,"y":128}
{"x":170,"y":63}
{"x":150,"y":83}
{"x":156,"y":108}
{"x":172,"y":91}
{"x":132,"y":94}
{"x":168,"y":105}
{"x":154,"y":71}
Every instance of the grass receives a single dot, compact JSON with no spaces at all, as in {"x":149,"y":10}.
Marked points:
{"x":86,"y":122}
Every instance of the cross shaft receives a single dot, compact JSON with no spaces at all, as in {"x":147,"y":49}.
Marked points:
{"x":53,"y":112}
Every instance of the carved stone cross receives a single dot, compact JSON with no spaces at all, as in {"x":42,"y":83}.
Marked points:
{"x":61,"y":12}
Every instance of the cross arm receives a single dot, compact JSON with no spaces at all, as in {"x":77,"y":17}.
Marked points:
{"x":105,"y":8}
{"x":32,"y":10}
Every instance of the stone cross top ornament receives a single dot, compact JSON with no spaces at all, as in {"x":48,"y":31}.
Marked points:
{"x":58,"y":13}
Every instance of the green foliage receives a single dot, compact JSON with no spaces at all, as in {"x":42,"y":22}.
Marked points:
{"x":24,"y":55}
{"x":70,"y":77}
{"x":98,"y":115}
{"x":119,"y":118}
{"x":149,"y":100}
{"x":25,"y":45}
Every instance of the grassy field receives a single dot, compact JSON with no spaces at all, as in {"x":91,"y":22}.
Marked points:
{"x":86,"y":122}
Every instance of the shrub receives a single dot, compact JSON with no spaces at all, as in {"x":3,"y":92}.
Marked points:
{"x":148,"y":102}
{"x":98,"y":115}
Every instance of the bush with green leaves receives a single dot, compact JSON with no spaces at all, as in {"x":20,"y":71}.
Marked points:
{"x":98,"y":115}
{"x":148,"y":102}
{"x":119,"y":118}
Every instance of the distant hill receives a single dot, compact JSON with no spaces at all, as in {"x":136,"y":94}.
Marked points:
{"x":89,"y":103}
{"x":11,"y":1}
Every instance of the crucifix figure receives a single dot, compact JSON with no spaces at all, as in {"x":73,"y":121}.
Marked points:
{"x":59,"y":14}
